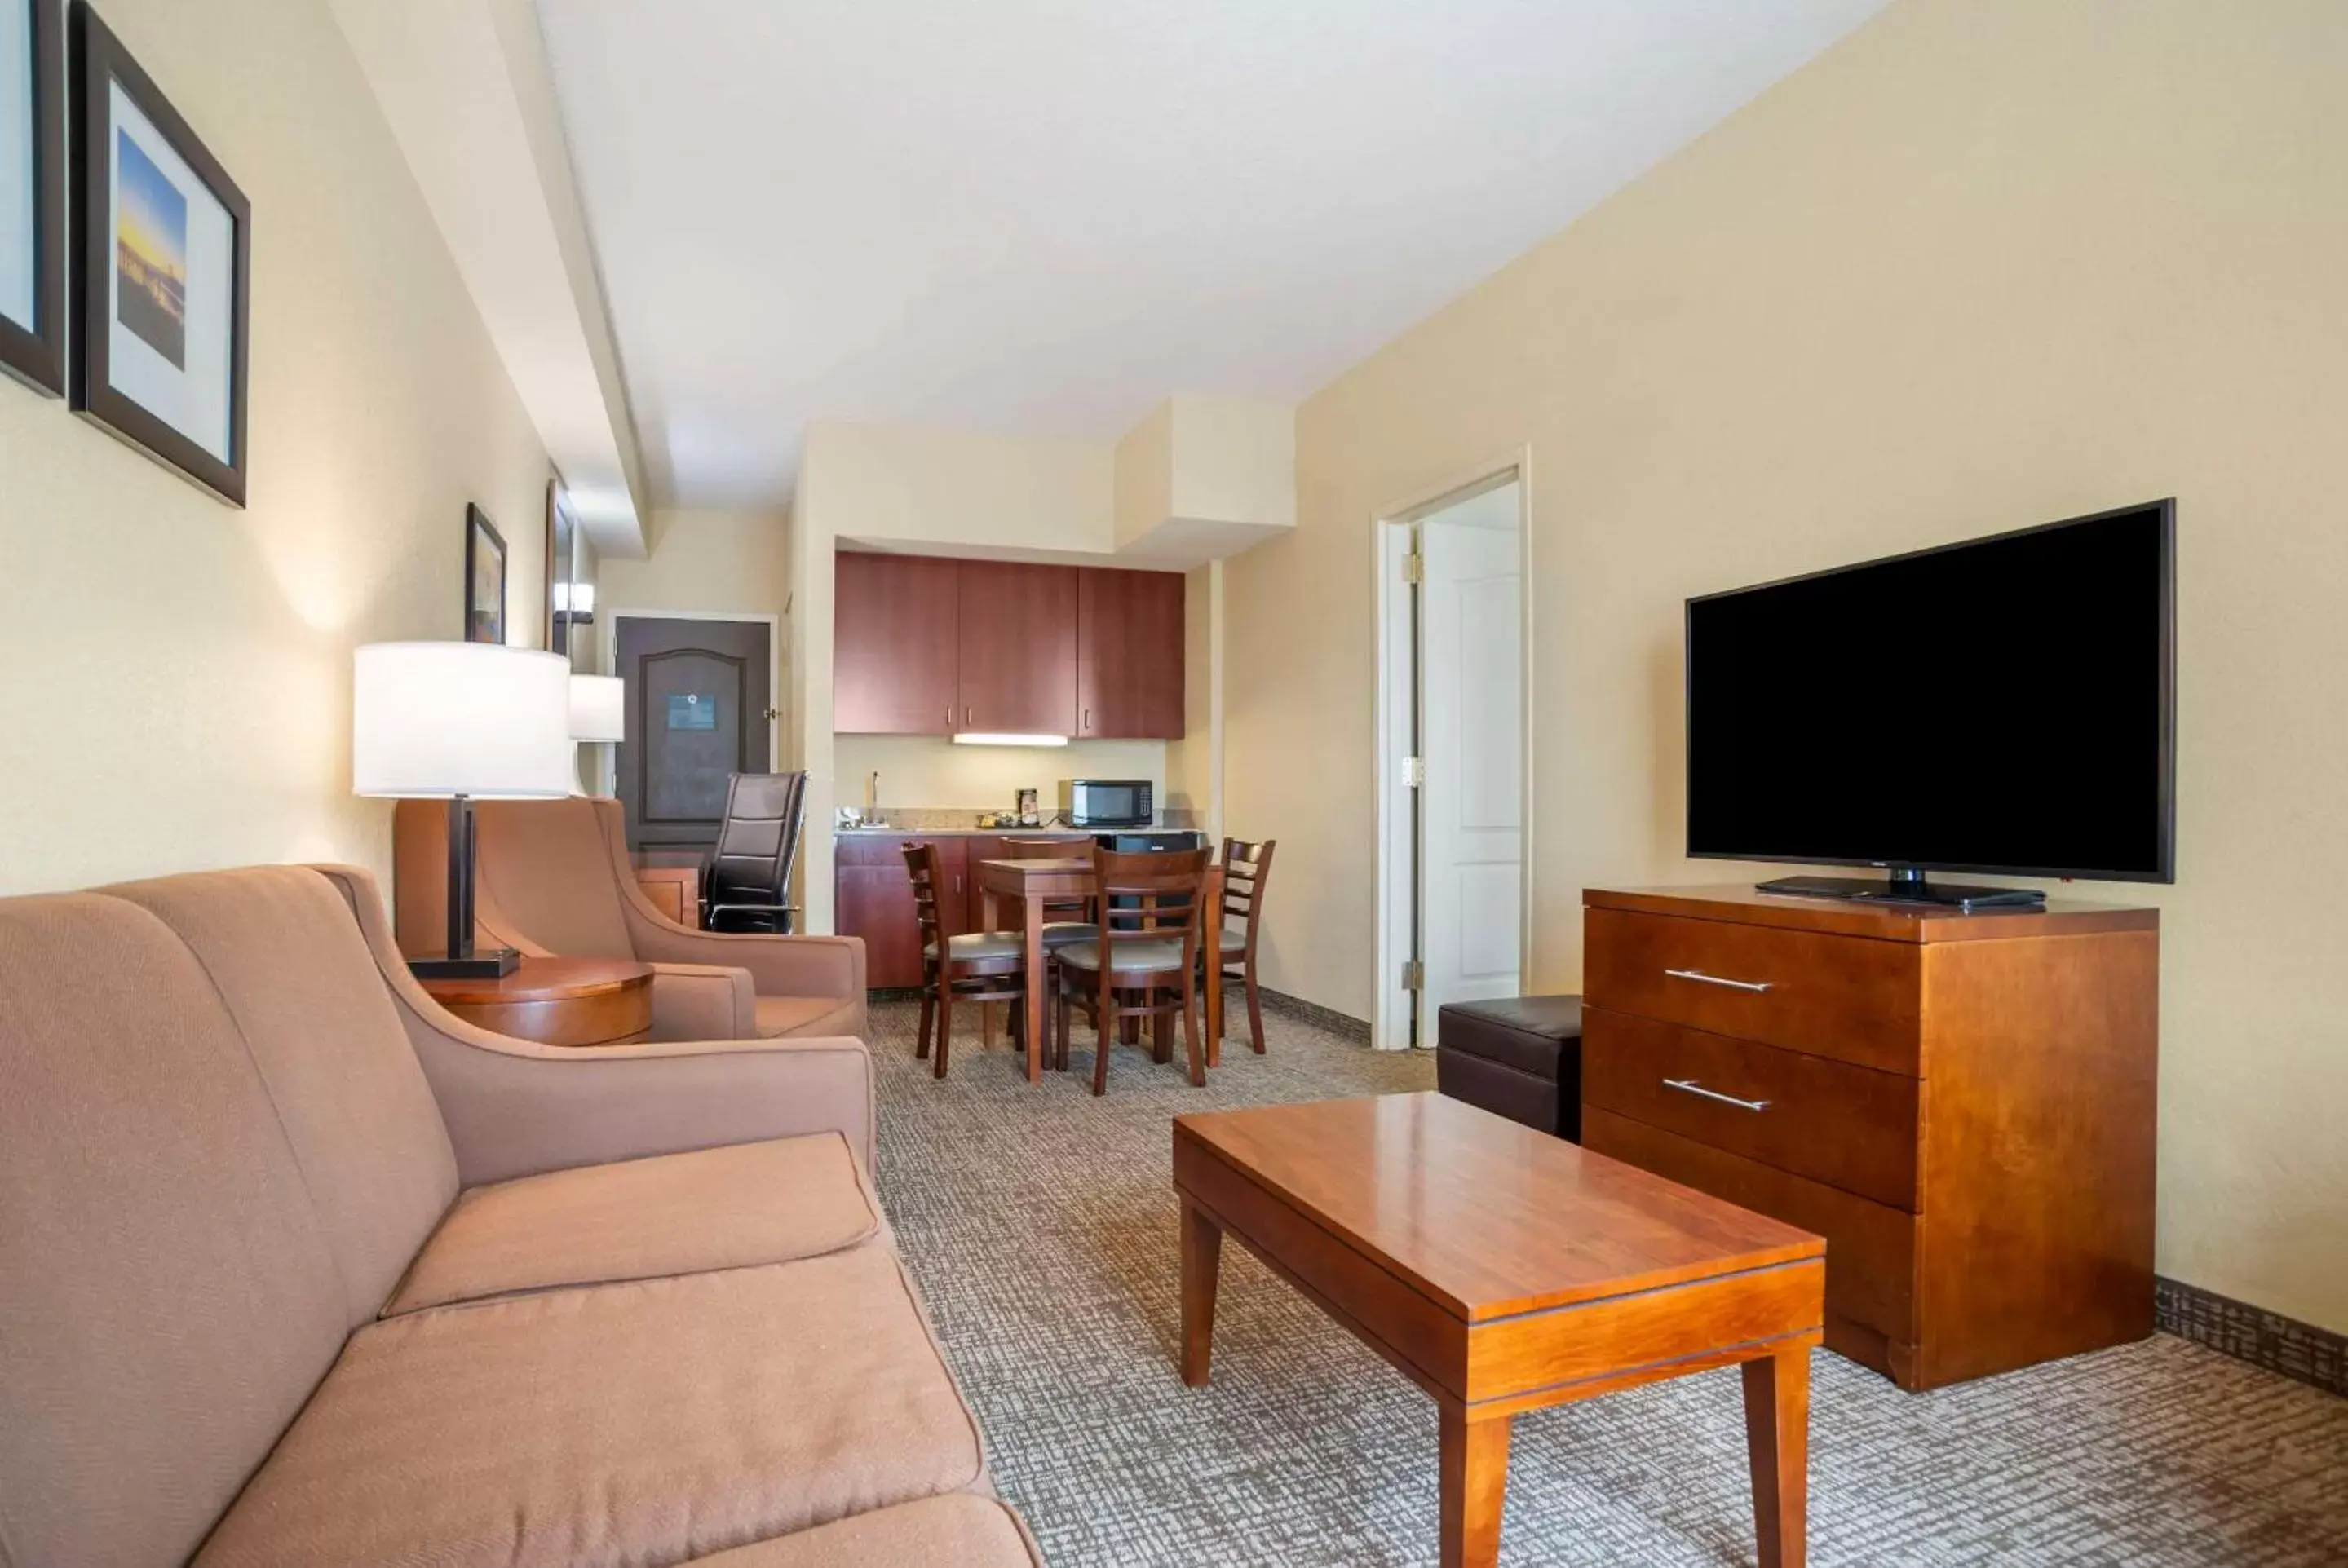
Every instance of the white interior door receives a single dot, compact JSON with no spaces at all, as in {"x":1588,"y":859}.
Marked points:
{"x":1471,"y":717}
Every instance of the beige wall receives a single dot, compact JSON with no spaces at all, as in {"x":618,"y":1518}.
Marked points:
{"x":1985,"y":264}
{"x":178,"y":686}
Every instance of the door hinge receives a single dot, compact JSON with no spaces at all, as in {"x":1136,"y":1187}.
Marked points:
{"x":1414,"y":975}
{"x":1414,"y":773}
{"x":1414,"y":567}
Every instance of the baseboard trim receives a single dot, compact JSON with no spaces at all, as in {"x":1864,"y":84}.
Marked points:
{"x":2300,"y":1351}
{"x":1314,"y":1013}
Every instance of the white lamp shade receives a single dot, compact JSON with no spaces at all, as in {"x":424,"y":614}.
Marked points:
{"x":599,"y":708}
{"x":432,"y":720}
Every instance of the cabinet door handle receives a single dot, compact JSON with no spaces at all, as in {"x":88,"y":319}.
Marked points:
{"x":1087,"y":720}
{"x":1719,"y":980}
{"x":1690,"y":1086}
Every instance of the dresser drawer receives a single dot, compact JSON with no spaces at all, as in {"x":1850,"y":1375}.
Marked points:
{"x":1856,"y":999}
{"x":1871,"y":1246}
{"x":1850,"y":1127}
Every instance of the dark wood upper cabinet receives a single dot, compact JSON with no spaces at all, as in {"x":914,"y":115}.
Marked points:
{"x":929,"y":647}
{"x":896,"y":656}
{"x":1129,"y":658}
{"x":1017,"y":634}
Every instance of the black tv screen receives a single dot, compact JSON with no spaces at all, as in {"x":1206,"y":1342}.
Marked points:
{"x":2000,"y":705}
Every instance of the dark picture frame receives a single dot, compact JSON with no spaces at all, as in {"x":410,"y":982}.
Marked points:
{"x":101,"y":63}
{"x":35,"y":352}
{"x":485,"y":553}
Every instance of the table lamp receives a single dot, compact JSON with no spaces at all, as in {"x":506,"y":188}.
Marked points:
{"x":598,"y":715}
{"x":461,"y":722}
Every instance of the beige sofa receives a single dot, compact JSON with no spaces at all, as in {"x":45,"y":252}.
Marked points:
{"x":553,"y":877}
{"x":296,"y":1268}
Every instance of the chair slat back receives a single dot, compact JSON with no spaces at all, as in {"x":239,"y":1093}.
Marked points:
{"x":1246,"y":868}
{"x":922,"y":863}
{"x":1160,"y":890}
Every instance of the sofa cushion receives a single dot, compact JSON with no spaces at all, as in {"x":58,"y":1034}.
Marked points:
{"x":964,"y":1530}
{"x":811,"y":1016}
{"x":280,"y":944}
{"x":167,"y":1297}
{"x":646,"y":1422}
{"x":730,"y":1207}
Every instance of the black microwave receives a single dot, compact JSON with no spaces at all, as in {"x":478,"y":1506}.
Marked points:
{"x":1107,"y":802}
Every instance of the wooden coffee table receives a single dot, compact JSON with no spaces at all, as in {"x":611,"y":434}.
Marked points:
{"x":556,"y":1001}
{"x":1503,"y":1270}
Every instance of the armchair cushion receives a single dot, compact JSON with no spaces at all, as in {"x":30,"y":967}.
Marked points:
{"x":645,"y":1422}
{"x":733,"y":1207}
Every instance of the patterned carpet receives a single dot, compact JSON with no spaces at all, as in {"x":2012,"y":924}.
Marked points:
{"x":1041,"y":1226}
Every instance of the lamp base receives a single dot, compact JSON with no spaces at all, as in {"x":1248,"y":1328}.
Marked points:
{"x":493,"y":965}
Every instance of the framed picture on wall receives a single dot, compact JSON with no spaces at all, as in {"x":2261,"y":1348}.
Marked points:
{"x":33,"y":192}
{"x":485,"y":579}
{"x":164,"y":268}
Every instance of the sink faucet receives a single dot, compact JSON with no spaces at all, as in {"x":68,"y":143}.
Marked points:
{"x":872,"y":794}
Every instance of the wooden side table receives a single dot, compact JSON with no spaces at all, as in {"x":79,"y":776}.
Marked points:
{"x":558,"y":1001}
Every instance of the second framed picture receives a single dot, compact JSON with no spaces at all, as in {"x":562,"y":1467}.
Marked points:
{"x":33,"y":192}
{"x":164,"y":265}
{"x":485,"y":579}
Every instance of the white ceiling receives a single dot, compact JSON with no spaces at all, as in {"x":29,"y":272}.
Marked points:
{"x":1040,"y":217}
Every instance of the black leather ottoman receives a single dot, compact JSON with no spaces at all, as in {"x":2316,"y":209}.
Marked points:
{"x":1519,"y":1058}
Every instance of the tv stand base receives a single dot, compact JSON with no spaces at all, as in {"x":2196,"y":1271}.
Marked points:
{"x":1905,"y":886}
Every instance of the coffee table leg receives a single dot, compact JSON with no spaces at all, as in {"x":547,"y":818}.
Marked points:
{"x":1777,"y":1437}
{"x":1202,"y":1264}
{"x":1474,"y":1486}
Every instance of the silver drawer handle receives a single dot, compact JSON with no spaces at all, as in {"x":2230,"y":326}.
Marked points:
{"x":1690,"y":1086}
{"x":1719,"y":980}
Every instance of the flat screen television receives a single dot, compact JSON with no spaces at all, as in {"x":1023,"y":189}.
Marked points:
{"x":2002,"y":706}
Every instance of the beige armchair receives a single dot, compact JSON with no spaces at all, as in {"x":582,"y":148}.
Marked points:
{"x":553,"y":877}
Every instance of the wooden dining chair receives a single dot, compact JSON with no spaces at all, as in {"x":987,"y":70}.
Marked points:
{"x":1246,"y":868}
{"x":1066,"y":920}
{"x":1145,"y":962}
{"x":971,"y":966}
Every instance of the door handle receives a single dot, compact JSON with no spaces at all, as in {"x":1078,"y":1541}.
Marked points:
{"x":1720,"y":981}
{"x":1690,"y":1086}
{"x":1086,"y":721}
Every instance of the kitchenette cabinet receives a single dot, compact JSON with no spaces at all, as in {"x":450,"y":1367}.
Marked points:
{"x":932,"y":647}
{"x":1129,"y":655}
{"x":896,"y":662}
{"x":1018,"y":644}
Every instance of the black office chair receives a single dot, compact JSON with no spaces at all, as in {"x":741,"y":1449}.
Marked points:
{"x":747,"y":886}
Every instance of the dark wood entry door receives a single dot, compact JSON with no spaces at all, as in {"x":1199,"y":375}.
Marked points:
{"x":700,"y":709}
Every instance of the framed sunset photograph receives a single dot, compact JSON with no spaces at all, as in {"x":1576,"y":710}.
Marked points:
{"x":33,"y":192}
{"x":165,"y":262}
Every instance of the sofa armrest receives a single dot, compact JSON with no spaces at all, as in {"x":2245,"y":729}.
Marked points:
{"x":516,"y":1110}
{"x":778,"y":966}
{"x":516,"y":1107}
{"x":703,"y":1001}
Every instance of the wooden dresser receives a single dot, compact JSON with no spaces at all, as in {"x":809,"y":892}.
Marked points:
{"x":1963,"y":1106}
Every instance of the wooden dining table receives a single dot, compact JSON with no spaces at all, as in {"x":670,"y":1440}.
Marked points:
{"x":1034,"y":882}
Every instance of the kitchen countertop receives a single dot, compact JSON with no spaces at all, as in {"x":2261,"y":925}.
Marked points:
{"x":870,"y":831}
{"x":964,"y":832}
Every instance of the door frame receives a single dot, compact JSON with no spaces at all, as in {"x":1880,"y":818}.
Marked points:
{"x":607,"y":656}
{"x":1397,"y":802}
